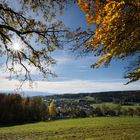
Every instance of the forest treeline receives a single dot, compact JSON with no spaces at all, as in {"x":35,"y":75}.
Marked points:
{"x":16,"y":109}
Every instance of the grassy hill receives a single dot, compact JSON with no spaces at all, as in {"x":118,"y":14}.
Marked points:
{"x":98,"y":128}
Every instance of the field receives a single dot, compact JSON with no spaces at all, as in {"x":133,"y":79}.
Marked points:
{"x":113,"y":105}
{"x":98,"y":128}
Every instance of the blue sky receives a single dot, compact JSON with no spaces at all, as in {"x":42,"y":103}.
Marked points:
{"x":75,"y":74}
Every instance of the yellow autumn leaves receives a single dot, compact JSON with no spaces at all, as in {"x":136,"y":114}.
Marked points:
{"x":108,"y":16}
{"x":117,"y":28}
{"x":86,"y":7}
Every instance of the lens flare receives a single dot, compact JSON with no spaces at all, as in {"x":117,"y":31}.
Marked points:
{"x":16,"y":46}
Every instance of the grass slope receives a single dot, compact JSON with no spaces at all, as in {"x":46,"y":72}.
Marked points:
{"x":113,"y":105}
{"x":98,"y":128}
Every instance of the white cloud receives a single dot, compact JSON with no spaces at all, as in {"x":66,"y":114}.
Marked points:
{"x":62,"y":60}
{"x":71,"y":86}
{"x":83,"y":67}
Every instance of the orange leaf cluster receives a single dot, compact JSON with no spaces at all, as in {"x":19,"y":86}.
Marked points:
{"x":117,"y":28}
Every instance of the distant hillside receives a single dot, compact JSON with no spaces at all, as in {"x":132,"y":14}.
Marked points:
{"x":129,"y":96}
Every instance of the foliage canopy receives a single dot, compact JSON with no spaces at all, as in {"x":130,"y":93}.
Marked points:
{"x":29,"y":33}
{"x":117,"y":32}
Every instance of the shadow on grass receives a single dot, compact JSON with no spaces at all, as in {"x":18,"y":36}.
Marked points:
{"x":17,"y":123}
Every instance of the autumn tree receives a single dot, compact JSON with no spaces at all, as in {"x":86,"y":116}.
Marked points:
{"x":116,"y":32}
{"x":29,"y":32}
{"x":52,"y":109}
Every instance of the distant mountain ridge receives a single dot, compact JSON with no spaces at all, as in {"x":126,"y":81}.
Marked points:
{"x":27,"y":93}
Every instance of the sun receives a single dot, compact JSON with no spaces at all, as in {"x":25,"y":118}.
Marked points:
{"x":16,"y":46}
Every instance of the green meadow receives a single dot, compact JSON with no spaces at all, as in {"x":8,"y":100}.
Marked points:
{"x":113,"y":105}
{"x":97,"y":128}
